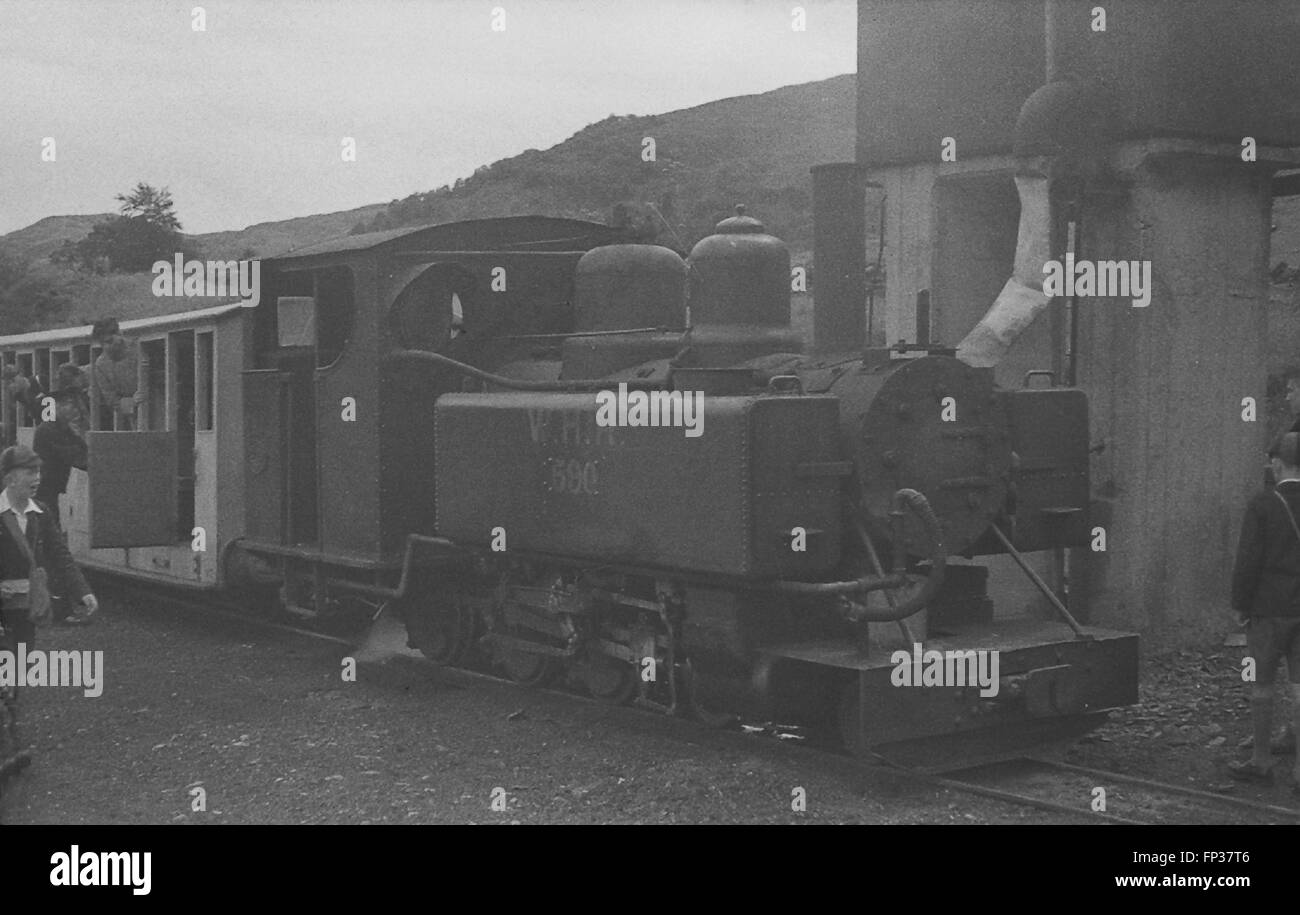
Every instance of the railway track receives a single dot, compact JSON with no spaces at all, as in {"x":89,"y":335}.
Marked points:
{"x":1055,"y":786}
{"x":1022,"y":781}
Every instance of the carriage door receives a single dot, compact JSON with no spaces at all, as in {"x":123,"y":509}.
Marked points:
{"x":133,"y":475}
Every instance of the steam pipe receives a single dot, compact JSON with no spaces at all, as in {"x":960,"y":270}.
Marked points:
{"x":917,"y":503}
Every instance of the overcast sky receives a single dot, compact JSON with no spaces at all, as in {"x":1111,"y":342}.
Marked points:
{"x":244,"y":121}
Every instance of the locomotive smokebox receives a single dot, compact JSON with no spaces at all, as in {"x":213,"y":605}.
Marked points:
{"x":935,"y":425}
{"x":840,"y":257}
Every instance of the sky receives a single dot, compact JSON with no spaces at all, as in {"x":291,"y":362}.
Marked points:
{"x":244,"y":121}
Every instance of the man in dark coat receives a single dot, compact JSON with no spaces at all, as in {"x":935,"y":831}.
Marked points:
{"x":1287,"y":743}
{"x":60,"y":448}
{"x":20,"y":470}
{"x":1266,"y":592}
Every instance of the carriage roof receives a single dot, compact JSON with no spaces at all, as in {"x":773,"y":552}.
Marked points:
{"x":81,"y":333}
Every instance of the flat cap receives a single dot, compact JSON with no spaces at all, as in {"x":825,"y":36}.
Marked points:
{"x":17,"y":456}
{"x":104,"y":327}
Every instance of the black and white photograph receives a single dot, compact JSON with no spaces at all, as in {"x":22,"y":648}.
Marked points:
{"x":682,"y":412}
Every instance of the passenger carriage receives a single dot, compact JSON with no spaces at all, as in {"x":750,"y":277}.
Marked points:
{"x":161,"y":500}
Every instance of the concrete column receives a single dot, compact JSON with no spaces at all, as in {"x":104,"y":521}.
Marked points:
{"x":1174,"y":462}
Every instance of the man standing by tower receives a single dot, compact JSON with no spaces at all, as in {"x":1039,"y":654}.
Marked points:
{"x":1266,"y":591}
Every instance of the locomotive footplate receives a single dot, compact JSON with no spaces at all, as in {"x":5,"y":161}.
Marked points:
{"x":986,"y":691}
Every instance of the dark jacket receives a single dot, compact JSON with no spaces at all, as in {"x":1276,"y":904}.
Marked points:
{"x":1268,"y":471}
{"x":1266,"y":576}
{"x":51,"y":554}
{"x":60,"y":449}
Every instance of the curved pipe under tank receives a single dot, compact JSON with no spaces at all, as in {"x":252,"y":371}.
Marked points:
{"x":917,"y":503}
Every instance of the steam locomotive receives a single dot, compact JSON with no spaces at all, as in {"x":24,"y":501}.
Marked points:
{"x":575,"y":457}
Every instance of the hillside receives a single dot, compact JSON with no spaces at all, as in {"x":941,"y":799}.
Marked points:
{"x":267,"y":239}
{"x":41,"y":239}
{"x":754,"y":149}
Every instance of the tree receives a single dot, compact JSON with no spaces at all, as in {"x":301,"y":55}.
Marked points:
{"x":151,"y":204}
{"x":147,"y":231}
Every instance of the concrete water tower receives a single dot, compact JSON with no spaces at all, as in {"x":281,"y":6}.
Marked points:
{"x":1006,"y":133}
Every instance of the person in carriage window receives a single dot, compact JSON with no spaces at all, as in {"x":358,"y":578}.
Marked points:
{"x":116,"y":374}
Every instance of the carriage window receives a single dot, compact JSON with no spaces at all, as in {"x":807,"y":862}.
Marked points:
{"x":43,"y":370}
{"x":101,"y":418}
{"x":335,"y":309}
{"x":203,"y":380}
{"x":296,"y":320}
{"x":153,"y":412}
{"x":181,"y":346}
{"x":10,"y":410}
{"x":25,"y":363}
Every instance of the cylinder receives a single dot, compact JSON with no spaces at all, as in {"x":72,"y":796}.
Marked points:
{"x":840,"y":251}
